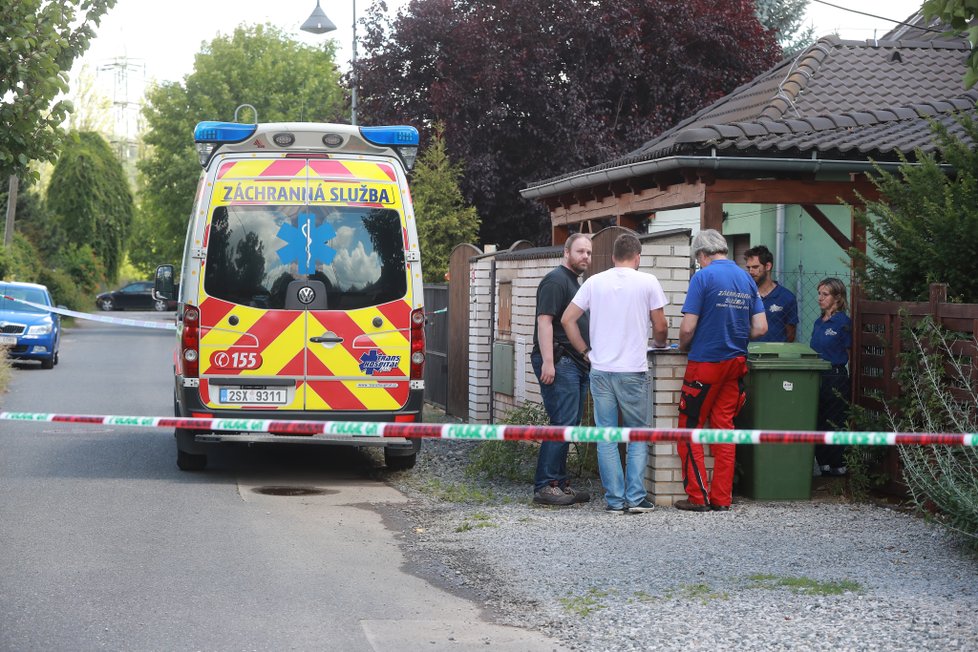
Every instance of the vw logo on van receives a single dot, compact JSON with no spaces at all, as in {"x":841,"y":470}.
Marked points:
{"x":307,"y":295}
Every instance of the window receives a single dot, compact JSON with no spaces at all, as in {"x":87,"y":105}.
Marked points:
{"x":254,"y":252}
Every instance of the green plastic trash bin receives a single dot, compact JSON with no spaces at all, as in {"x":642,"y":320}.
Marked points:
{"x":782,"y":394}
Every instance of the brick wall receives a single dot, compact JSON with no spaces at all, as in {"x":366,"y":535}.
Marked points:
{"x":666,"y":255}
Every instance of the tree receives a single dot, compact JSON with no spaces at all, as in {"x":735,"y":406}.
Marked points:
{"x":258,"y":65}
{"x":785,"y":17}
{"x":960,"y":15}
{"x":528,"y":90}
{"x":39,"y":40}
{"x":90,"y":198}
{"x":443,"y":218}
{"x":918,"y":231}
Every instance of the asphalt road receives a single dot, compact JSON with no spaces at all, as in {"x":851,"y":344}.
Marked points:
{"x":106,"y":545}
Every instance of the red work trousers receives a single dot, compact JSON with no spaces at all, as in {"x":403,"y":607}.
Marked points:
{"x":713,"y":393}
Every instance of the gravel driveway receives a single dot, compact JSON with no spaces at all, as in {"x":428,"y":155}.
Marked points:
{"x":825,"y":574}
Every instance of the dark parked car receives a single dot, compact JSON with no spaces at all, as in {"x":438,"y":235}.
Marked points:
{"x":29,"y":333}
{"x":134,"y":296}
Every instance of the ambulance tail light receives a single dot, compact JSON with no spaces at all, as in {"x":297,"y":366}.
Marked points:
{"x":403,"y":140}
{"x":190,"y":342}
{"x":417,"y":344}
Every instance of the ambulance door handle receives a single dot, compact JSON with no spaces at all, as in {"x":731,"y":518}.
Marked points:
{"x":326,"y":339}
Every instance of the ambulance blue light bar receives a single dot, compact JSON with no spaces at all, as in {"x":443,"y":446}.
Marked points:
{"x":223,"y":132}
{"x":390,"y":136}
{"x":404,"y":140}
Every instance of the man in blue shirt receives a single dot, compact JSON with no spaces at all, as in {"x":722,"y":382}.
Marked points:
{"x":721,"y":313}
{"x":780,"y":304}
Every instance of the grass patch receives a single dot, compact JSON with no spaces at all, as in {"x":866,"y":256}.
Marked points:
{"x":803,"y":585}
{"x":478,"y":520}
{"x":451,"y":492}
{"x":585,"y":605}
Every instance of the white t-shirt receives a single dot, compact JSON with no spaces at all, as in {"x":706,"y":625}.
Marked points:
{"x":620,"y":300}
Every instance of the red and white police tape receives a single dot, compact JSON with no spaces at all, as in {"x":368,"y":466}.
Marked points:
{"x":369,"y":430}
{"x":124,"y":321}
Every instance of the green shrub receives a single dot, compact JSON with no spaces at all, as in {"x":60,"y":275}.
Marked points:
{"x":938,"y":396}
{"x":82,"y":265}
{"x":516,"y":460}
{"x":64,"y":290}
{"x":20,"y":262}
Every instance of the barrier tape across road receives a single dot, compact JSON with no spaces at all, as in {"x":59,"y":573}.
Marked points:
{"x":580,"y":434}
{"x":120,"y":321}
{"x":123,"y":321}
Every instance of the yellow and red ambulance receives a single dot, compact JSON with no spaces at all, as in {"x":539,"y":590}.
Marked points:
{"x":300,"y":294}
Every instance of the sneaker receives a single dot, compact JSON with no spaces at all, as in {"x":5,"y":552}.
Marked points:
{"x":579,"y":495}
{"x":614,"y":510}
{"x":687,"y":506}
{"x":642,"y":507}
{"x":553,"y":495}
{"x":825,"y":469}
{"x":838,"y":470}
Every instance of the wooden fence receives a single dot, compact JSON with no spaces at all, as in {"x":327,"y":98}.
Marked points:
{"x":877,"y":342}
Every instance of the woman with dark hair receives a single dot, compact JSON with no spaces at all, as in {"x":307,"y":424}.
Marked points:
{"x":832,"y":340}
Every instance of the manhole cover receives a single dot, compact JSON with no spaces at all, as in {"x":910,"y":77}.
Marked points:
{"x":292,"y":491}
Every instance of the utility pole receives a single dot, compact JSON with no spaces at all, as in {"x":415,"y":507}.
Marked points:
{"x":8,"y":226}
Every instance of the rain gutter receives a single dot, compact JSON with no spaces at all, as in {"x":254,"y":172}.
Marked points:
{"x":713,"y":162}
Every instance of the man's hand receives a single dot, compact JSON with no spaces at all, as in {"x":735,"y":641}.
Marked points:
{"x":547,"y":373}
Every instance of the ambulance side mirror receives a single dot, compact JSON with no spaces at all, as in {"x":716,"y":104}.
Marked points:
{"x":163,"y":285}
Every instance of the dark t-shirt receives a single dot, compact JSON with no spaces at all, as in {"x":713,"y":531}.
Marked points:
{"x":554,"y":293}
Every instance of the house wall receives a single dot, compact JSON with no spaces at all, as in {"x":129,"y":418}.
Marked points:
{"x":809,"y":253}
{"x":667,"y":255}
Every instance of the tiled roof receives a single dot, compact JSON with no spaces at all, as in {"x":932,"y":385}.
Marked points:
{"x":840,"y":99}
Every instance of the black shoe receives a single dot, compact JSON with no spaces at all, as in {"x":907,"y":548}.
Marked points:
{"x":720,"y":508}
{"x":614,"y":510}
{"x":642,"y":507}
{"x":687,"y":506}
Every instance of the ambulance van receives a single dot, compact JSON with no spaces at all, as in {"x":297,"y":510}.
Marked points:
{"x":300,"y":294}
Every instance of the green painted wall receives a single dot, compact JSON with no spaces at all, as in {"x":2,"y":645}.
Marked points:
{"x":809,"y":253}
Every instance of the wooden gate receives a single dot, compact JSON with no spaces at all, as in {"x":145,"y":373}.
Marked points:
{"x":602,"y":245}
{"x":459,"y":285}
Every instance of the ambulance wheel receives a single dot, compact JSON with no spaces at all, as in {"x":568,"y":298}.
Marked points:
{"x":399,"y":462}
{"x":191,"y":462}
{"x":187,"y":460}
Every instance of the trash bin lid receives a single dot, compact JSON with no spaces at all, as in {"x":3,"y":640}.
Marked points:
{"x":784,"y":355}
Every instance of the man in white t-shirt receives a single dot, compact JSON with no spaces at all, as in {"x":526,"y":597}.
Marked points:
{"x":622,"y":302}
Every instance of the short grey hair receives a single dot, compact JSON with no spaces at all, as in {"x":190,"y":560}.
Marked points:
{"x":709,"y":242}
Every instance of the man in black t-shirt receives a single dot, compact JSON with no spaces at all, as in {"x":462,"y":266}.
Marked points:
{"x":563,"y":374}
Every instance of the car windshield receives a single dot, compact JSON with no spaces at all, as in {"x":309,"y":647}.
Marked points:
{"x":254,"y":252}
{"x":34,"y":295}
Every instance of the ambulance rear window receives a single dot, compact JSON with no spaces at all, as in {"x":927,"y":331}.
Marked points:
{"x":254,"y":252}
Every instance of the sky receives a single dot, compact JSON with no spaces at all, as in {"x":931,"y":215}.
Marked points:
{"x":163,"y":37}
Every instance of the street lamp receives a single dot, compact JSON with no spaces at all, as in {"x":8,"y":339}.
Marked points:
{"x":318,"y":23}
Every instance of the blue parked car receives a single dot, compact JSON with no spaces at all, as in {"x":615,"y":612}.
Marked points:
{"x":29,"y":333}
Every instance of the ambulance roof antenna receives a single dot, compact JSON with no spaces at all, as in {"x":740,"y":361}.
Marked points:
{"x":241,"y":106}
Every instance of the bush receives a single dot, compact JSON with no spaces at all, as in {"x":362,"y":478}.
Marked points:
{"x":938,"y":396}
{"x":64,"y":290}
{"x":20,"y":262}
{"x":81,"y":264}
{"x":513,"y":460}
{"x":516,"y":460}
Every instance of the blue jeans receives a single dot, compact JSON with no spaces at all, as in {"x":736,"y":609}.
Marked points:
{"x":628,"y":392}
{"x":564,"y":401}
